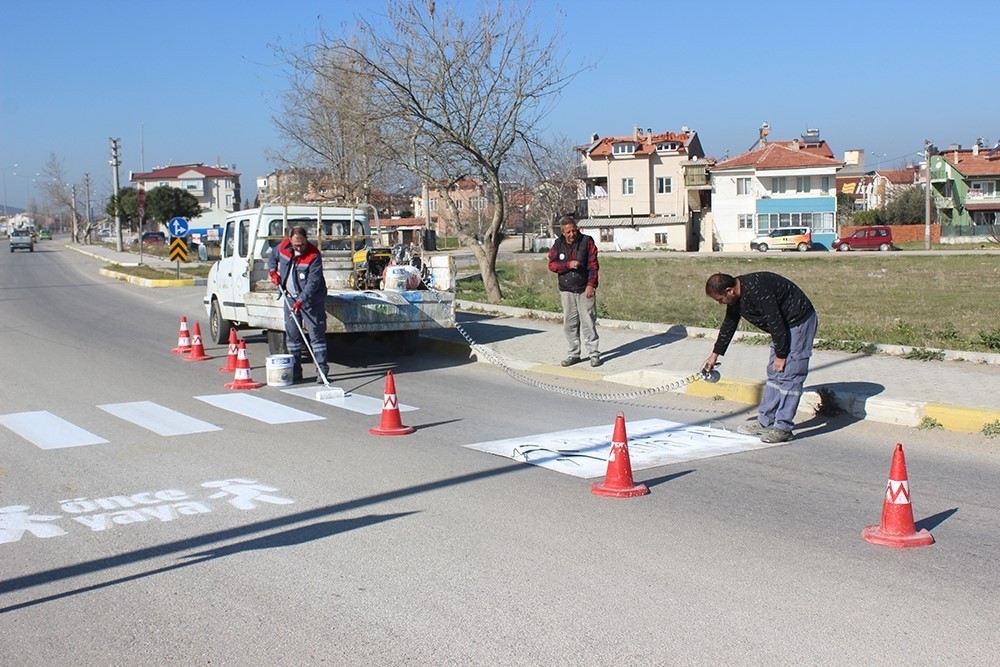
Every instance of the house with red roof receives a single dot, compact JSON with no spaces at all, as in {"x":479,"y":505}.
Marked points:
{"x":965,"y":185}
{"x":646,"y":190}
{"x":217,"y":189}
{"x":777,"y":184}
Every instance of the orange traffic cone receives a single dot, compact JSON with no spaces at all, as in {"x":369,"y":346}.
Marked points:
{"x":242,"y":378}
{"x":234,"y":350}
{"x":618,"y":482}
{"x":391,"y":423}
{"x":197,"y":346}
{"x":183,"y":338}
{"x":897,"y":528}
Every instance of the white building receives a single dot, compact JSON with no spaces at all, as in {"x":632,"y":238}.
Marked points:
{"x":217,"y":189}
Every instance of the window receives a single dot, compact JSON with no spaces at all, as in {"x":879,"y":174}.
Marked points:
{"x":244,"y":237}
{"x":433,"y":204}
{"x":746,"y":220}
{"x":664,"y":186}
{"x":660,"y":239}
{"x":628,"y":186}
{"x":743,"y":186}
{"x":980,"y":189}
{"x":778,"y":185}
{"x":666,"y":146}
{"x":229,"y":201}
{"x":826,"y":184}
{"x":458,"y":204}
{"x":803,"y":183}
{"x":623,"y":149}
{"x":607,"y":234}
{"x":766,"y":221}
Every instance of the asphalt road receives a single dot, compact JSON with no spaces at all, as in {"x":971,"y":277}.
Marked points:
{"x":315,"y":542}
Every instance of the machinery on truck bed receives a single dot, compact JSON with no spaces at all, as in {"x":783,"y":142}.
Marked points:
{"x":240,"y":294}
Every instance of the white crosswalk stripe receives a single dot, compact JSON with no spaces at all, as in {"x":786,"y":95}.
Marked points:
{"x":158,"y":419}
{"x":47,"y":431}
{"x":258,"y":408}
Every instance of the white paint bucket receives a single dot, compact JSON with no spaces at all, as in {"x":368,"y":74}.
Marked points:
{"x":279,"y":369}
{"x":442,"y":269}
{"x":396,"y":278}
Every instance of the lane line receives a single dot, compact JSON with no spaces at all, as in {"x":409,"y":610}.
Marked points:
{"x":257,"y":408}
{"x":47,"y":431}
{"x":158,"y":419}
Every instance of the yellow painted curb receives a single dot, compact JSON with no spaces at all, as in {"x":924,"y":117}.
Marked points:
{"x":966,"y":420}
{"x":741,"y":392}
{"x":147,"y":282}
{"x":579,"y":374}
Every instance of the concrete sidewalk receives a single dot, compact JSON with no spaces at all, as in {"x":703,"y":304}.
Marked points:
{"x":959,"y":395}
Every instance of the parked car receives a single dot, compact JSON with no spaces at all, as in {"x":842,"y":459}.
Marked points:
{"x":45,"y":234}
{"x":21,"y":239}
{"x":784,"y":238}
{"x":877,"y":237}
{"x":154,"y":238}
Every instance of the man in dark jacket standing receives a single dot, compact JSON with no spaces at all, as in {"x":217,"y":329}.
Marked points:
{"x":776,"y":305}
{"x":574,"y":258}
{"x":296,"y":266}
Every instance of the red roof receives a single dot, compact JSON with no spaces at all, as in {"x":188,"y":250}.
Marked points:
{"x":777,"y":156}
{"x":645,"y":144}
{"x":401,"y":222}
{"x":974,"y":165}
{"x":175,"y":171}
{"x":900,"y":176}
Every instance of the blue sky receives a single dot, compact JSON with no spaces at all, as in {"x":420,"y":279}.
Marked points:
{"x":199,"y":81}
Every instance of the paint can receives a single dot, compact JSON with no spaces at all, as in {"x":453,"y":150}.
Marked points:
{"x":442,"y":269}
{"x":401,"y":277}
{"x":280,"y":368}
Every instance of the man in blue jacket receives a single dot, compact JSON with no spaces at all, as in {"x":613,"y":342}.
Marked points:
{"x":779,"y":307}
{"x":296,"y":266}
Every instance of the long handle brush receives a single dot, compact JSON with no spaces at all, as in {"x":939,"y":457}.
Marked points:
{"x":334,"y":392}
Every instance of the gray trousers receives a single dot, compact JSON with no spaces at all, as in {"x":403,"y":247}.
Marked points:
{"x":580,"y":319}
{"x":783,"y":391}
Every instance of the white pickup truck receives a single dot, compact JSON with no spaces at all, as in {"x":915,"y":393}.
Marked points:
{"x":240,"y":294}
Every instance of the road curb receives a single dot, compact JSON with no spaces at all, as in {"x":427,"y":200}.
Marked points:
{"x":897,"y":412}
{"x":149,"y":282}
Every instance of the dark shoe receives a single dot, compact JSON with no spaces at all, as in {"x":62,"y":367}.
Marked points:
{"x":595,"y":361}
{"x":752,"y":427}
{"x":773,"y":435}
{"x":569,"y":361}
{"x":296,"y":374}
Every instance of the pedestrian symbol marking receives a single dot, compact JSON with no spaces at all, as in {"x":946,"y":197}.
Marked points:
{"x":47,"y":431}
{"x":258,"y":408}
{"x":158,"y":419}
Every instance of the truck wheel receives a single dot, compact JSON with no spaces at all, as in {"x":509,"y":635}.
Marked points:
{"x":218,"y":326}
{"x":762,"y":247}
{"x":276,"y":342}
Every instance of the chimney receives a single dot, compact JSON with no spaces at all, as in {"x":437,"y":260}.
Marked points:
{"x":595,"y":137}
{"x":635,"y":133}
{"x":649,"y":136}
{"x":975,"y":149}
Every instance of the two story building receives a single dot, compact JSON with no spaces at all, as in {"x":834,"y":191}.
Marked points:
{"x":643,"y":191}
{"x":781,"y":184}
{"x":965,"y":188}
{"x":217,"y":189}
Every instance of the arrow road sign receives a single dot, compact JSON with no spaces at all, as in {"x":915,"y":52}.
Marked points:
{"x":178,"y":227}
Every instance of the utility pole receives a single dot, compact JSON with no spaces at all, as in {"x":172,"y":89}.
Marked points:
{"x":927,"y":195}
{"x":90,"y":212}
{"x":115,"y":163}
{"x":72,"y":208}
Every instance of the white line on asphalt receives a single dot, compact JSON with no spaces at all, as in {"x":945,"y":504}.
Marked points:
{"x":47,"y":431}
{"x":366,"y":405}
{"x":158,"y":419}
{"x":260,"y":409}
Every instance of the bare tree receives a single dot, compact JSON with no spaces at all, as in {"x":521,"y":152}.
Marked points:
{"x":464,"y":88}
{"x":550,"y":169}
{"x":61,"y":197}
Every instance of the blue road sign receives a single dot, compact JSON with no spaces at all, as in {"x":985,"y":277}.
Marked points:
{"x":178,"y":227}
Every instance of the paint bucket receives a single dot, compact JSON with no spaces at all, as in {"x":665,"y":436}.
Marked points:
{"x":401,"y":278}
{"x":442,"y":269}
{"x":279,"y":369}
